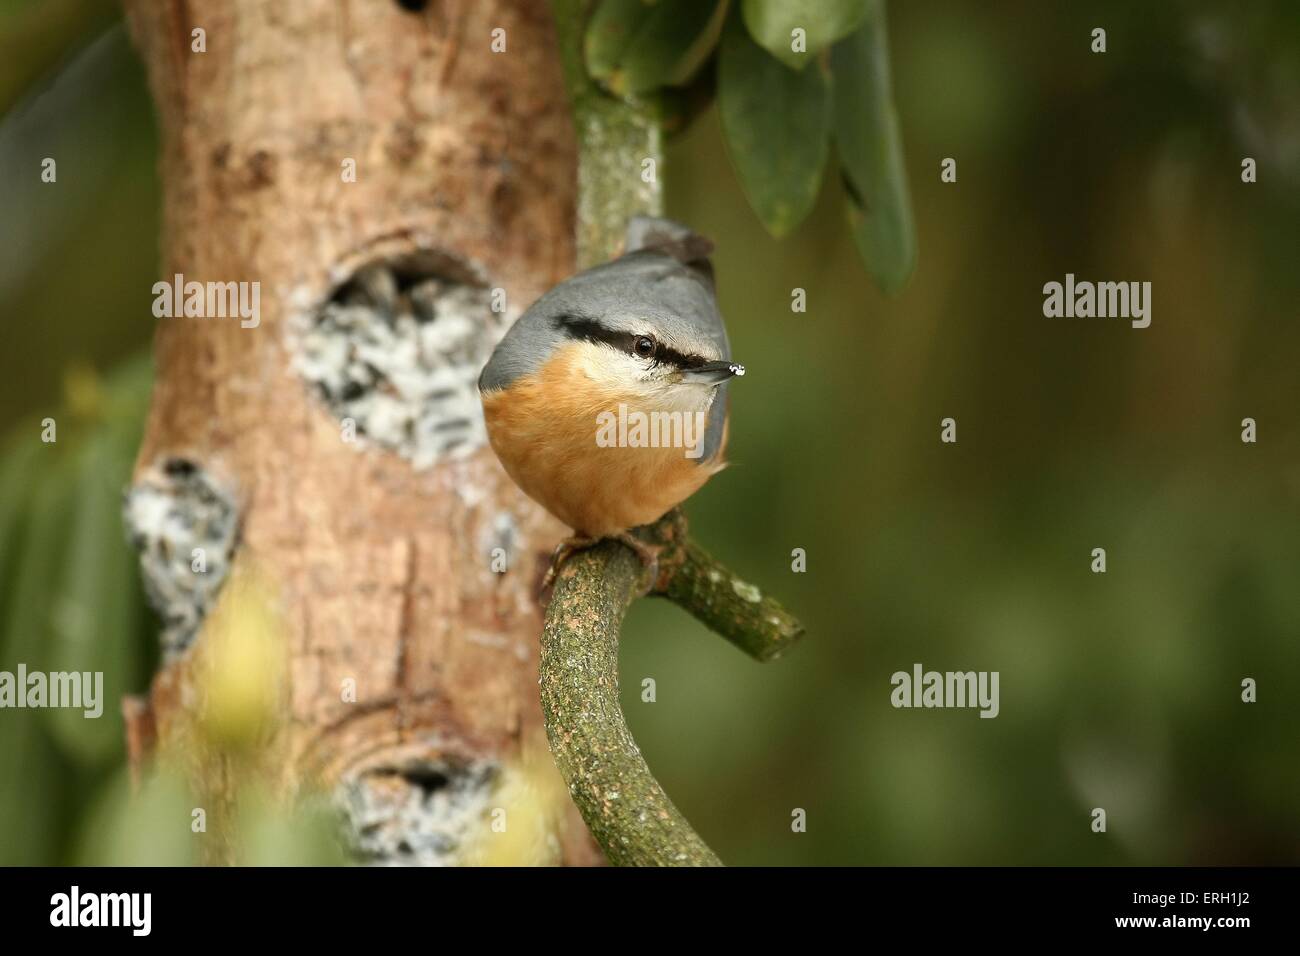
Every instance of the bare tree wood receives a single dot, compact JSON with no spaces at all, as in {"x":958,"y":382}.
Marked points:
{"x":464,"y":158}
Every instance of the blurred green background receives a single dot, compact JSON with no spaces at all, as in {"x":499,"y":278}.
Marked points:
{"x":1119,"y":690}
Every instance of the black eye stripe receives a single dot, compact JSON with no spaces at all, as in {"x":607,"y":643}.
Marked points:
{"x":591,"y":331}
{"x":674,"y":357}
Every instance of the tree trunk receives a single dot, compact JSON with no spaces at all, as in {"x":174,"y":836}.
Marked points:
{"x":402,"y":563}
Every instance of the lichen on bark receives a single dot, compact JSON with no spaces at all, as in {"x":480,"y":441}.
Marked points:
{"x":624,"y":807}
{"x":615,"y":139}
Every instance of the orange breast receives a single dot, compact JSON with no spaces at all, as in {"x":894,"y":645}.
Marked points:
{"x":544,"y":430}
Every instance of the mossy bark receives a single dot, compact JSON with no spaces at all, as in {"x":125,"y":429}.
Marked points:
{"x":615,"y":138}
{"x":626,"y":809}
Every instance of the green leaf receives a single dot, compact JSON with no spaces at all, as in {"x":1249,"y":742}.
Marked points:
{"x":870,"y":146}
{"x":149,"y":825}
{"x":43,"y":502}
{"x":773,"y":22}
{"x":18,"y":464}
{"x":27,"y":621}
{"x":96,"y":611}
{"x":36,"y":37}
{"x":676,"y":108}
{"x":634,"y":46}
{"x":31,"y":773}
{"x":776,"y":123}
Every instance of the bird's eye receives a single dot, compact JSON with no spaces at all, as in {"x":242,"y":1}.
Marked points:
{"x":644,"y":346}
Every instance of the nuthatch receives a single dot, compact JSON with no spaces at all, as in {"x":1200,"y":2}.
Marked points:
{"x":636,"y":342}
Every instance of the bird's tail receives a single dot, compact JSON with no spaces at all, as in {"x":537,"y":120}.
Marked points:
{"x":670,"y":238}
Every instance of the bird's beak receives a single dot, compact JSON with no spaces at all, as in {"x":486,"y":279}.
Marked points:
{"x":711,"y":373}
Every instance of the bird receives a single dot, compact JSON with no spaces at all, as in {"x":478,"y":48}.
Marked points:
{"x":606,"y":402}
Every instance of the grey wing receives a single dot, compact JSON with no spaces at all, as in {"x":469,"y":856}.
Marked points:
{"x":523,"y":350}
{"x":691,"y":252}
{"x":716,"y":426}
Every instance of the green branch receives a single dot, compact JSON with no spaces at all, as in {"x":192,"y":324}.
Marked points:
{"x":729,"y":606}
{"x":615,"y":137}
{"x":625,"y":808}
{"x":623,"y":805}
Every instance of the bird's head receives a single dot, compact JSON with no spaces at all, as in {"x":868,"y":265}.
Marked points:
{"x":643,"y":326}
{"x":659,"y":356}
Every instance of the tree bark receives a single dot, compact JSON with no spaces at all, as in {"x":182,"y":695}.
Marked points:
{"x":379,"y":561}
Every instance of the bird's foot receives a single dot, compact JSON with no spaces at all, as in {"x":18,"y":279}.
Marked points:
{"x":567,"y":549}
{"x":648,"y":554}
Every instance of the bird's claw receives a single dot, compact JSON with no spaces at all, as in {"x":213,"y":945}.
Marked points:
{"x":565,"y":550}
{"x":649,"y":555}
{"x":646,"y":552}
